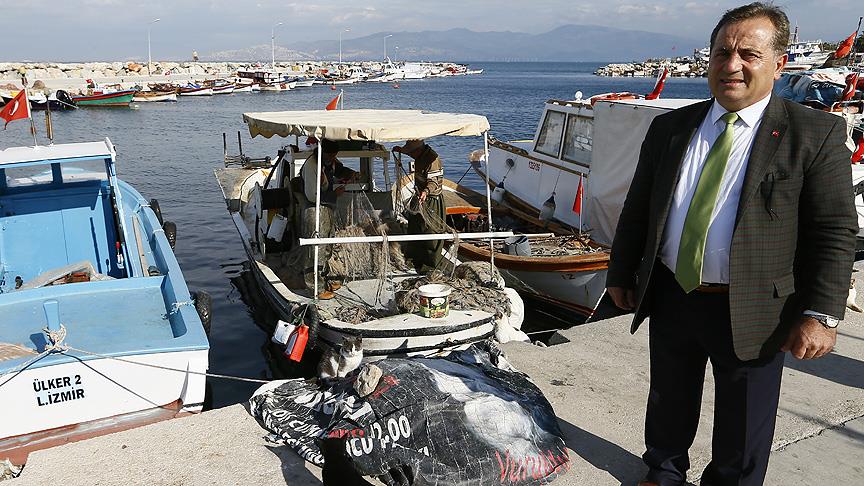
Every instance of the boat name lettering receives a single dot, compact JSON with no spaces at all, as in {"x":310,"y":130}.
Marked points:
{"x":534,"y":165}
{"x":56,"y":390}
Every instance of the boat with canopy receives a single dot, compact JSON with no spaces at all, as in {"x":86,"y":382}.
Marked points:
{"x":378,"y":298}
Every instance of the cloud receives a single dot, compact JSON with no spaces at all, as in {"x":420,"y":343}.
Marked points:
{"x":642,"y":9}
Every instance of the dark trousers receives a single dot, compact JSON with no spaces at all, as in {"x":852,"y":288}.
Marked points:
{"x":685,"y":331}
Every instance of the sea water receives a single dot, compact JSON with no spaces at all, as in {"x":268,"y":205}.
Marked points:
{"x":168,"y":151}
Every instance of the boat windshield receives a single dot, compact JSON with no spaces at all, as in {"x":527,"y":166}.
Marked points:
{"x":549,"y":140}
{"x":35,"y":175}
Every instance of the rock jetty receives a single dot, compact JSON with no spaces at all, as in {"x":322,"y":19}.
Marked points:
{"x":684,"y":67}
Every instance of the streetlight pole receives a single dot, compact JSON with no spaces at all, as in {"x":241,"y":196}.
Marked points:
{"x":340,"y":43}
{"x":385,"y":45}
{"x":149,"y":57}
{"x":396,"y":53}
{"x":273,"y":47}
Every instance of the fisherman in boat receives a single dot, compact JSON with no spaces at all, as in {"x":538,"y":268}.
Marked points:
{"x":427,"y":211}
{"x":334,"y":176}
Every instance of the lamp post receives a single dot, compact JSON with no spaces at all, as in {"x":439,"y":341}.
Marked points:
{"x":340,"y":44}
{"x":385,"y":45}
{"x":396,"y":53}
{"x":149,"y":57}
{"x":273,"y":46}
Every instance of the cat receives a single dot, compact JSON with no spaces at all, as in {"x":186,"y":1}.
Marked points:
{"x":338,"y":363}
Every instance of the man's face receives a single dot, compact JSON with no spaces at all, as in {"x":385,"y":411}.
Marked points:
{"x":743,"y":63}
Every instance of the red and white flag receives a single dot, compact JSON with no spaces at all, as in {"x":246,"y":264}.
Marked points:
{"x":859,"y":153}
{"x":845,"y":47}
{"x":577,"y":202}
{"x":334,"y":104}
{"x":17,"y":109}
{"x":658,"y":86}
{"x":851,"y":84}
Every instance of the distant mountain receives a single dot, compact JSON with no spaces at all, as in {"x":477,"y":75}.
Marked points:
{"x":566,"y":43}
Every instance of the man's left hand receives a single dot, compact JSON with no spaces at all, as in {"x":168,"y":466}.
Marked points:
{"x":422,"y":196}
{"x":809,"y":339}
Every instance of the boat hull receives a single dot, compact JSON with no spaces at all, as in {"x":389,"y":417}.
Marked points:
{"x":154,"y":97}
{"x":90,"y":391}
{"x":196,"y":92}
{"x":119,"y":98}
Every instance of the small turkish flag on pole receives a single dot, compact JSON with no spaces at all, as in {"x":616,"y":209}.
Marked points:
{"x":845,"y":47}
{"x":577,"y":203}
{"x":851,"y":84}
{"x":334,"y":104}
{"x":17,"y":109}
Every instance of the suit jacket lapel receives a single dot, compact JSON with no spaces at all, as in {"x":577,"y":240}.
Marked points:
{"x":667,"y":175}
{"x":765,"y":144}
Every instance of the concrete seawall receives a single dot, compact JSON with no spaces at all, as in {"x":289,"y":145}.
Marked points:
{"x":597,"y":384}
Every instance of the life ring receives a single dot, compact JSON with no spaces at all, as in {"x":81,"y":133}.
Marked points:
{"x":626,"y":95}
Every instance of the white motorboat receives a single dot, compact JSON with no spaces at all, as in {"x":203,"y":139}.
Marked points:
{"x":261,"y":193}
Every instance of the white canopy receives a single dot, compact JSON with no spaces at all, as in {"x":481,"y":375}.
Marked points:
{"x":374,"y":125}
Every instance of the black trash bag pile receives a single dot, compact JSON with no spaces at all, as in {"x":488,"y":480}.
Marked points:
{"x":469,"y":418}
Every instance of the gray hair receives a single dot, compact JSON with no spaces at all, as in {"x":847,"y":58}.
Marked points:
{"x":755,"y":10}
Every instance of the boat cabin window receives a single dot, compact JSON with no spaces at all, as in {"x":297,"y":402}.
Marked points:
{"x":577,"y":139}
{"x":549,"y":140}
{"x":28,"y":176}
{"x":45,"y":174}
{"x":93,"y":170}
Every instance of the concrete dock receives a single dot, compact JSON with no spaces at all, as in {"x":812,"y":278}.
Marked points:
{"x":597,"y":384}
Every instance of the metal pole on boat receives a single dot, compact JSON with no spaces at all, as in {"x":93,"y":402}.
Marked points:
{"x":385,"y":45}
{"x":489,"y":203}
{"x":317,"y":213}
{"x":340,"y":47}
{"x":149,"y":57}
{"x":273,"y":47}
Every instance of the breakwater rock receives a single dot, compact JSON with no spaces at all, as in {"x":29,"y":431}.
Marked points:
{"x":91,"y":70}
{"x":684,"y":67}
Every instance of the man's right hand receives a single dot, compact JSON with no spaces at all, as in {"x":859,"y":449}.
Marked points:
{"x":623,"y":298}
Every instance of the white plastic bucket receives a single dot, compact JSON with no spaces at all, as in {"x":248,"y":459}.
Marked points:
{"x":277,"y":227}
{"x":434,"y":300}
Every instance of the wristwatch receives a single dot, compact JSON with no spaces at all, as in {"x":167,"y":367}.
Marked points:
{"x":827,"y":321}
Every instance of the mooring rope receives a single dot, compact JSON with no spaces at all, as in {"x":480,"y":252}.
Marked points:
{"x":58,"y":345}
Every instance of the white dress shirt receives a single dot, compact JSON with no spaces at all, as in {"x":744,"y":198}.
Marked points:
{"x":715,"y":263}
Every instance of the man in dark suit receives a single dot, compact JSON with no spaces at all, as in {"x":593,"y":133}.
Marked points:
{"x":737,"y":239}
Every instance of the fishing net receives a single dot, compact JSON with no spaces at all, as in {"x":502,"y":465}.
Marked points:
{"x":356,"y":217}
{"x":474,"y":287}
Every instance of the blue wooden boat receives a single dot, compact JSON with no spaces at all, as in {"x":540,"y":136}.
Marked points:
{"x":95,"y":316}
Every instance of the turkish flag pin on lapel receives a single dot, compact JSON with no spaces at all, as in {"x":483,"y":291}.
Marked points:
{"x":775,"y":133}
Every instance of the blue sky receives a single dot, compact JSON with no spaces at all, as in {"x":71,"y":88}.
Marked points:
{"x":77,"y":30}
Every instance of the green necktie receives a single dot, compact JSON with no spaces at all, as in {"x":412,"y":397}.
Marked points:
{"x":688,"y":269}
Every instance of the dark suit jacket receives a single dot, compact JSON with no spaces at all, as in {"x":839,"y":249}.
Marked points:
{"x":794,"y":237}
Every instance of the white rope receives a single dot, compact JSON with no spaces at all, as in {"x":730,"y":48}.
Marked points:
{"x":175,"y":307}
{"x":167,"y":368}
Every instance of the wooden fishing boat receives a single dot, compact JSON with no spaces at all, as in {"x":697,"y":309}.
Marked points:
{"x":111,"y":98}
{"x":154,"y":96}
{"x":564,"y":269}
{"x":195,"y":90}
{"x":99,"y":332}
{"x":258,"y":190}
